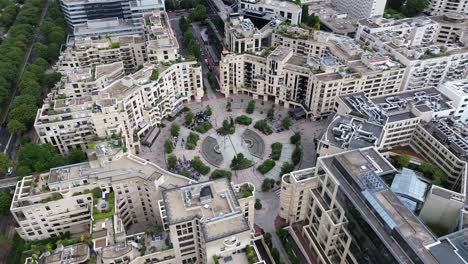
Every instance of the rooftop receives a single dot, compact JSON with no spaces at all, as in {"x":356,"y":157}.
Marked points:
{"x":452,"y":248}
{"x":397,"y":106}
{"x":349,"y":132}
{"x":359,"y":173}
{"x":159,"y":32}
{"x":77,"y":253}
{"x":332,"y":19}
{"x":214,"y":203}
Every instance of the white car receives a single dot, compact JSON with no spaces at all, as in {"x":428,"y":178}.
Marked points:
{"x":10,"y":171}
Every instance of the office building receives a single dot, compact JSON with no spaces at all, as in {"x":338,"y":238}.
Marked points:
{"x":457,"y":92}
{"x":80,"y":12}
{"x":398,"y":113}
{"x":361,"y":8}
{"x":290,"y":11}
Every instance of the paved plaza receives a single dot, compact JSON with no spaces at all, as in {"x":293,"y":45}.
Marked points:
{"x":228,"y":146}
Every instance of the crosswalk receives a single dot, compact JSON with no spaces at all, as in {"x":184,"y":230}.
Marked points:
{"x":277,"y":192}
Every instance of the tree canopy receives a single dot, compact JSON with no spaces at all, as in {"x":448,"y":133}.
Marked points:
{"x":38,"y":158}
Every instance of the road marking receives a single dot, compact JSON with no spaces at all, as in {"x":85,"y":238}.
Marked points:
{"x":6,"y":147}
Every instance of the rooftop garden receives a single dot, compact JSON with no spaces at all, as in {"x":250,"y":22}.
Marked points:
{"x":429,"y":170}
{"x":267,"y":52}
{"x":110,"y":207}
{"x":155,"y":75}
{"x":246,"y":190}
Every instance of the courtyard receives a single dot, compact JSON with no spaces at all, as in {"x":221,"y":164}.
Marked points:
{"x":216,"y":151}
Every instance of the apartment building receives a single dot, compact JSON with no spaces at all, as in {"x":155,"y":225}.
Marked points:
{"x":129,"y":107}
{"x":208,"y":219}
{"x":453,"y":28}
{"x":310,"y":82}
{"x":428,"y":64}
{"x":290,"y":11}
{"x":161,"y":44}
{"x":440,"y":7}
{"x":242,"y":35}
{"x":399,"y":114}
{"x":79,"y":12}
{"x":88,"y":52}
{"x":361,"y":8}
{"x":82,"y":81}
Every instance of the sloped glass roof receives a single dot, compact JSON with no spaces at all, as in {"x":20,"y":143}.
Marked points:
{"x":410,"y":184}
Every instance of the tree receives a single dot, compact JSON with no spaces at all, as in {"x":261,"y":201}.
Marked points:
{"x":76,"y":156}
{"x":188,"y":118}
{"x":16,"y":127}
{"x":267,"y":237}
{"x":271,"y":113}
{"x":296,"y":138}
{"x":168,"y":146}
{"x":41,"y":50}
{"x":305,"y":14}
{"x":23,"y":99}
{"x":218,"y":173}
{"x":38,"y":158}
{"x":5,"y":202}
{"x":183,"y":24}
{"x":171,"y":162}
{"x":258,"y":204}
{"x":286,"y":168}
{"x":413,"y":8}
{"x":297,"y":154}
{"x":25,"y":114}
{"x":250,"y":107}
{"x":402,"y":160}
{"x":5,"y":163}
{"x":286,"y":122}
{"x":208,"y":111}
{"x":198,"y":14}
{"x":175,"y":129}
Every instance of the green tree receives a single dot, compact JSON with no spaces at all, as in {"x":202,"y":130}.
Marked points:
{"x":5,"y":202}
{"x":38,"y":158}
{"x":286,"y":122}
{"x":171,"y":162}
{"x":189,"y":118}
{"x":183,"y":24}
{"x":16,"y":127}
{"x":168,"y":146}
{"x":76,"y":156}
{"x":402,"y":160}
{"x":198,"y":14}
{"x":413,"y":8}
{"x":41,"y":50}
{"x":296,"y":138}
{"x":297,"y":154}
{"x":250,"y":107}
{"x":175,"y":129}
{"x":25,"y":114}
{"x":271,"y":113}
{"x":5,"y":163}
{"x":23,"y":100}
{"x":258,"y":204}
{"x":208,"y":111}
{"x":286,"y":168}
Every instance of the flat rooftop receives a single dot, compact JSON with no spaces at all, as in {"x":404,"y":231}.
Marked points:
{"x":359,"y":174}
{"x":349,"y":132}
{"x":214,"y":203}
{"x":452,"y":248}
{"x":396,"y":107}
{"x":332,"y":19}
